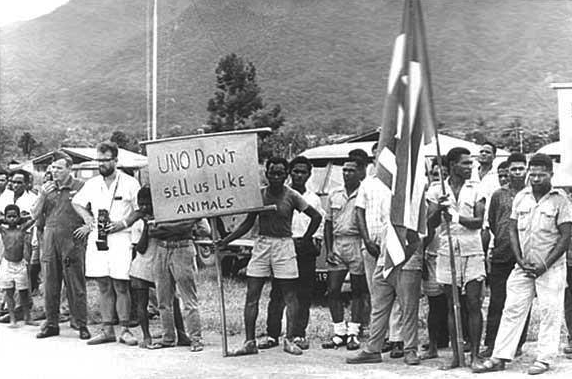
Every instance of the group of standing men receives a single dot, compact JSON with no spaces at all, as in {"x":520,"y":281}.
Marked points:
{"x":84,"y":230}
{"x":530,"y":223}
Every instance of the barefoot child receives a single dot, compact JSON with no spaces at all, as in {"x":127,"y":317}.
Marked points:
{"x":142,"y":271}
{"x":14,"y":264}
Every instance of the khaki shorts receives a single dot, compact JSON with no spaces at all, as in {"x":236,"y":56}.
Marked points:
{"x":469,"y":268}
{"x":273,"y":257}
{"x":13,"y":275}
{"x":347,"y":255}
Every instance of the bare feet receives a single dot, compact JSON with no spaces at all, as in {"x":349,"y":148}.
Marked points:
{"x":13,"y":325}
{"x":31,"y":323}
{"x":429,"y":355}
{"x":449,"y":365}
{"x":145,"y":343}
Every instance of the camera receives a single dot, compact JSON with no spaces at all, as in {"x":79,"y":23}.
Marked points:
{"x":102,"y":223}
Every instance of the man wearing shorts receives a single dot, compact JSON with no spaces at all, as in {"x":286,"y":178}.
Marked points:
{"x":463,"y":207}
{"x":274,"y":252}
{"x":343,"y":247}
{"x":115,"y":193}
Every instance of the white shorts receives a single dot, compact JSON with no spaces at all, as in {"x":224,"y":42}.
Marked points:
{"x":13,"y":275}
{"x":114,"y":262}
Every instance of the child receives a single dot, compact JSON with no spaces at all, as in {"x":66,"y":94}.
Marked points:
{"x":14,"y":264}
{"x":142,"y":271}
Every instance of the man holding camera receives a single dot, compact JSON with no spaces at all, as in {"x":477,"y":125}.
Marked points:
{"x":112,"y":196}
{"x":63,"y":255}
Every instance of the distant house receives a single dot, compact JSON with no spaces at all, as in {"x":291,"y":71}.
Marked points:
{"x":85,"y":165}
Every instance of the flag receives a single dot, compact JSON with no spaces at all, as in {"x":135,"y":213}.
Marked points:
{"x":408,"y":126}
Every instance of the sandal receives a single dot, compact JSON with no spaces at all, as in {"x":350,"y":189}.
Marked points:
{"x":490,"y":365}
{"x":537,"y":368}
{"x":268,"y":343}
{"x":159,"y":345}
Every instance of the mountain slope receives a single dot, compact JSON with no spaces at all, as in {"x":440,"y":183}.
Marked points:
{"x":324,"y":61}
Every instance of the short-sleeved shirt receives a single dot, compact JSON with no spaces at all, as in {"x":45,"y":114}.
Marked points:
{"x":6,"y":197}
{"x":58,"y":211}
{"x":487,"y":184}
{"x":301,"y":221}
{"x":119,"y":199}
{"x":499,"y":224}
{"x":278,"y":223}
{"x":538,"y":222}
{"x":25,"y":202}
{"x":375,"y":198}
{"x":340,"y":210}
{"x":469,"y":240}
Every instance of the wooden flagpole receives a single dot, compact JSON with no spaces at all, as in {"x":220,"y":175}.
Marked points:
{"x":420,"y":32}
{"x":455,"y":290}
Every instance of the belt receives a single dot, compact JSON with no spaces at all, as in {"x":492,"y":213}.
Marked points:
{"x":181,"y":243}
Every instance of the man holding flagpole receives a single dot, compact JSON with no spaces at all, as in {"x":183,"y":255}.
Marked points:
{"x":463,"y":208}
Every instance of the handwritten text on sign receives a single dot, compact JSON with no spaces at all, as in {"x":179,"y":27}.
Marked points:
{"x":204,"y":177}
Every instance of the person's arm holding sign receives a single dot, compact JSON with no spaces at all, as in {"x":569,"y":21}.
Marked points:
{"x":240,"y":231}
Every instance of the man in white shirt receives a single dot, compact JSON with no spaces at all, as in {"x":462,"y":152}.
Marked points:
{"x":6,"y":194}
{"x":115,"y":193}
{"x":300,"y":171}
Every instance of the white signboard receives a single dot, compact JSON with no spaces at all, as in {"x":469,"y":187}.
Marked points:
{"x":563,"y":176}
{"x":204,"y":176}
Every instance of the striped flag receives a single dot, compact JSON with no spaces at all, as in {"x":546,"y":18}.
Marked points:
{"x":407,"y":128}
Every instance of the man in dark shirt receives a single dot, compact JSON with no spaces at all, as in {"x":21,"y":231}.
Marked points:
{"x":502,"y":258}
{"x":274,"y":252}
{"x":63,"y":254}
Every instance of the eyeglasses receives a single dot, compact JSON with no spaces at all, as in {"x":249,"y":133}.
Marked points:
{"x":16,"y":182}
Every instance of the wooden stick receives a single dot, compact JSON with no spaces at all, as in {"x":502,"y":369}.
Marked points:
{"x":454,"y":289}
{"x":220,"y":286}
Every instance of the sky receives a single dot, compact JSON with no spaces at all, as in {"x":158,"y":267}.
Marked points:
{"x":21,"y":10}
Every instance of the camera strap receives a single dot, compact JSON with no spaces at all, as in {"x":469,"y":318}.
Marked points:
{"x":114,"y":192}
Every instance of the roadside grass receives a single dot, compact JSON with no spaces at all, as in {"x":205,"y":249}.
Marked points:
{"x":319,"y":328}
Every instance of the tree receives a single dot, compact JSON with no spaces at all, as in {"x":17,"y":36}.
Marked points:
{"x":237,"y":103}
{"x":125,"y":141}
{"x":27,"y":143}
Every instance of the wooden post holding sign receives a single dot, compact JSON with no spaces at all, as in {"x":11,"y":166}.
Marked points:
{"x":205,"y":175}
{"x":563,"y":177}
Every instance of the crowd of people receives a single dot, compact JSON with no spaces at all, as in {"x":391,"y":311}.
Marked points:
{"x":507,"y":229}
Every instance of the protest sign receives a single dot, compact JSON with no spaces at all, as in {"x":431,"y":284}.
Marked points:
{"x":204,"y":175}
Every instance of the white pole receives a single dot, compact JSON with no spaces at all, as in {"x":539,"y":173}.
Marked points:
{"x":563,"y":175}
{"x":154,"y":87}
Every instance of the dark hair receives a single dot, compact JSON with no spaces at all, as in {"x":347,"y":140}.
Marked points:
{"x":541,"y":160}
{"x":300,"y":159}
{"x":277,"y":160}
{"x":59,"y":154}
{"x":516,"y":157}
{"x":105,"y":146}
{"x":24,"y":173}
{"x":491,"y":145}
{"x":12,"y":207}
{"x":4,"y":172}
{"x":358,"y":156}
{"x":144,"y":193}
{"x":454,"y":155}
{"x":503,"y":165}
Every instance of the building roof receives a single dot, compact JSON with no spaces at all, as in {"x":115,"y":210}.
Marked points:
{"x":79,"y":155}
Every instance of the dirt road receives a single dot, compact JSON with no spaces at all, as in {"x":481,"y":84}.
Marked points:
{"x":67,"y":357}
